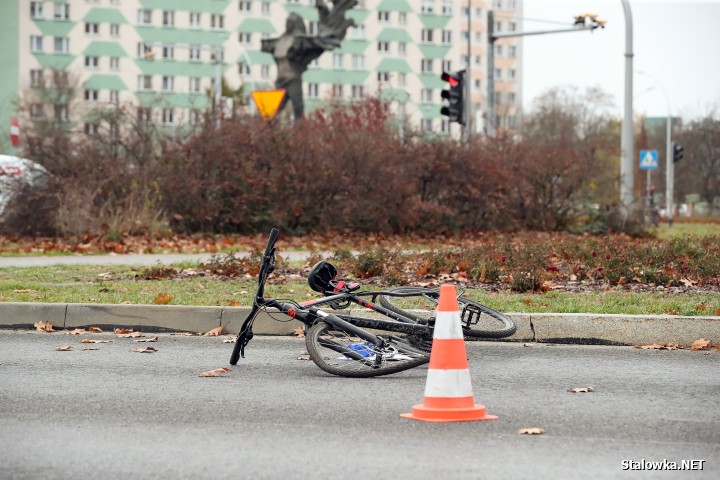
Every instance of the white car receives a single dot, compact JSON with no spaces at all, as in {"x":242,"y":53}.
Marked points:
{"x":16,"y":172}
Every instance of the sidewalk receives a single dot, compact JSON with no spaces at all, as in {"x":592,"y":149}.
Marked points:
{"x":545,"y":327}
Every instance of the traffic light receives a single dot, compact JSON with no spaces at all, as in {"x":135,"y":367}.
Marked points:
{"x":455,"y":95}
{"x":678,"y":152}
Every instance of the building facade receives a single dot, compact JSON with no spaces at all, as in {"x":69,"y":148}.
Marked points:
{"x":161,"y":54}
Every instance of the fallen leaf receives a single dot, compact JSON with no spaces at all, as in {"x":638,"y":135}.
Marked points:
{"x":131,"y":335}
{"x":700,"y":307}
{"x":88,"y":340}
{"x":717,"y":312}
{"x":299,"y":332}
{"x":145,"y":350}
{"x":581,"y":390}
{"x":65,"y":348}
{"x":44,"y":326}
{"x":214,"y":373}
{"x":94,"y":330}
{"x":671,"y":311}
{"x":530,"y":345}
{"x":304,"y":356}
{"x":162,"y":299}
{"x":186,"y":334}
{"x":26,"y":290}
{"x":216,"y":331}
{"x":686,"y":282}
{"x":235,"y":304}
{"x":122,"y":331}
{"x":153,"y":339}
{"x":77,"y":331}
{"x":90,"y":348}
{"x":229,"y":340}
{"x":701,"y":344}
{"x":655,"y":346}
{"x":531,"y":431}
{"x":527,"y":301}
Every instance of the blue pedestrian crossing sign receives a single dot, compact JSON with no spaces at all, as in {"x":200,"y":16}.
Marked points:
{"x":648,"y":159}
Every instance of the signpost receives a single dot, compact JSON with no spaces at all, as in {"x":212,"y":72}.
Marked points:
{"x":268,"y":102}
{"x":649,"y":162}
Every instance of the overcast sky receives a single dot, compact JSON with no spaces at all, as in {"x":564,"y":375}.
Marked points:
{"x":677,"y":42}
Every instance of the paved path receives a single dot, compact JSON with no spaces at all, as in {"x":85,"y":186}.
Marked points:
{"x":116,"y":414}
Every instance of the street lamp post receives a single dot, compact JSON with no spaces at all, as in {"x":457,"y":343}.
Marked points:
{"x":626,"y":141}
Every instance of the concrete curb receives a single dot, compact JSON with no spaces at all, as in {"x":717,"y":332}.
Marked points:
{"x":549,"y":328}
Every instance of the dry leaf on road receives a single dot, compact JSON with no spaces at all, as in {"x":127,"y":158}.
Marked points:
{"x":87,"y":340}
{"x":44,"y":326}
{"x":216,"y":331}
{"x":153,"y":339}
{"x":531,"y":431}
{"x":122,"y":331}
{"x":304,"y":356}
{"x":299,"y":331}
{"x":214,"y":373}
{"x":229,"y":340}
{"x":581,"y":390}
{"x":162,"y":299}
{"x":131,"y":335}
{"x":529,"y":345}
{"x":701,"y":344}
{"x":65,"y":348}
{"x":655,"y":346}
{"x":94,"y":330}
{"x":90,"y":348}
{"x":77,"y":331}
{"x":145,"y":350}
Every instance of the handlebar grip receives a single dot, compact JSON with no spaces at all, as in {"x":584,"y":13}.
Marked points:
{"x":274,"y":233}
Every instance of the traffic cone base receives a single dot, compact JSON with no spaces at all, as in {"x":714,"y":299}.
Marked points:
{"x":448,"y":390}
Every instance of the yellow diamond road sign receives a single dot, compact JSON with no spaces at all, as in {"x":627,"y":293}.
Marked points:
{"x":268,"y":102}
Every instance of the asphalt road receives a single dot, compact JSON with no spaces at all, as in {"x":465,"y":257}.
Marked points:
{"x":114,"y":413}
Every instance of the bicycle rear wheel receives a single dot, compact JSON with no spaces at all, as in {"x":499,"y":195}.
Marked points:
{"x":478,"y":321}
{"x":340,"y":353}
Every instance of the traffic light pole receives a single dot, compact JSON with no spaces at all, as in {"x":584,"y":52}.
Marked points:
{"x":492,"y":37}
{"x":467,"y":128}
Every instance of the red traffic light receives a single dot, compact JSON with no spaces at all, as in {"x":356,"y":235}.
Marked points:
{"x":451,"y":79}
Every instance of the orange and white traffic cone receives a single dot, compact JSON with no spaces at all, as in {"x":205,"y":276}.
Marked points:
{"x":448,"y":391}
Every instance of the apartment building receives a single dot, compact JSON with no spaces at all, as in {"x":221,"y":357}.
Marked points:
{"x":161,"y":55}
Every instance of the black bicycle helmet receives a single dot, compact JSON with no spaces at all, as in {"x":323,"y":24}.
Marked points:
{"x":320,"y":276}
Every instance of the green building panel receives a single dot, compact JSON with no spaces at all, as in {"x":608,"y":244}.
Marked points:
{"x":307,"y":12}
{"x":430,"y":80}
{"x":105,"y":15}
{"x":393,"y":65}
{"x":256,"y":25}
{"x":177,"y":68}
{"x":201,"y":6}
{"x":173,"y":100}
{"x":59,"y":61}
{"x":395,"y":6}
{"x":105,"y":49}
{"x":256,"y":58}
{"x":358,"y":15}
{"x":10,"y":61}
{"x":354,"y":47}
{"x":429,"y":111}
{"x":434,"y":51}
{"x":180,"y":35}
{"x":54,"y":28}
{"x":434,"y":21}
{"x":394,"y":95}
{"x":105,"y":82}
{"x":340,"y":77}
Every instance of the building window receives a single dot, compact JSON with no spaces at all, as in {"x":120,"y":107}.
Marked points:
{"x":114,"y":96}
{"x":145,"y":51}
{"x":194,"y":20}
{"x":383,"y":46}
{"x":194,"y":84}
{"x":445,"y":126}
{"x":478,"y":60}
{"x":337,"y":90}
{"x":512,"y":51}
{"x":477,"y":84}
{"x":313,"y":90}
{"x":168,"y":19}
{"x":383,"y":16}
{"x":61,"y":112}
{"x":62,"y":45}
{"x":244,"y":38}
{"x":144,"y":82}
{"x":92,"y":28}
{"x":36,"y":10}
{"x":512,"y":26}
{"x":62,"y":11}
{"x":465,"y":36}
{"x":245,"y":6}
{"x":313,"y":28}
{"x":447,"y":7}
{"x":426,"y":125}
{"x":498,"y":26}
{"x":217,"y":22}
{"x":498,"y":98}
{"x":402,"y":48}
{"x":168,"y":52}
{"x":402,"y":18}
{"x":168,"y":116}
{"x":446,"y":36}
{"x":426,"y":95}
{"x":498,"y":50}
{"x":92,"y":128}
{"x":358,"y":32}
{"x":265,"y":71}
{"x":194,"y":53}
{"x":498,"y":74}
{"x":144,"y":115}
{"x":245,"y":69}
{"x":512,"y":74}
{"x":194,"y":117}
{"x":36,"y":43}
{"x":358,"y":62}
{"x":383,"y":77}
{"x":60,"y":78}
{"x":114,"y":30}
{"x":427,"y":35}
{"x":358,"y":92}
{"x":497,"y":3}
{"x":36,"y":78}
{"x":428,"y":6}
{"x":446,"y":65}
{"x":91,"y":95}
{"x":168,"y":83}
{"x":265,"y":8}
{"x":402,"y":79}
{"x":144,"y":17}
{"x":478,"y":13}
{"x":337,"y":60}
{"x":426,"y":65}
{"x":37,"y":110}
{"x":114,"y":63}
{"x":92,"y":62}
{"x":511,"y":97}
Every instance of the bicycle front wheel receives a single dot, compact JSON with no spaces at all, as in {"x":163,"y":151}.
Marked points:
{"x":478,"y":321}
{"x":340,"y":353}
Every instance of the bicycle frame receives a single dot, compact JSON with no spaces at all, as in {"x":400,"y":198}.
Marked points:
{"x":309,"y":313}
